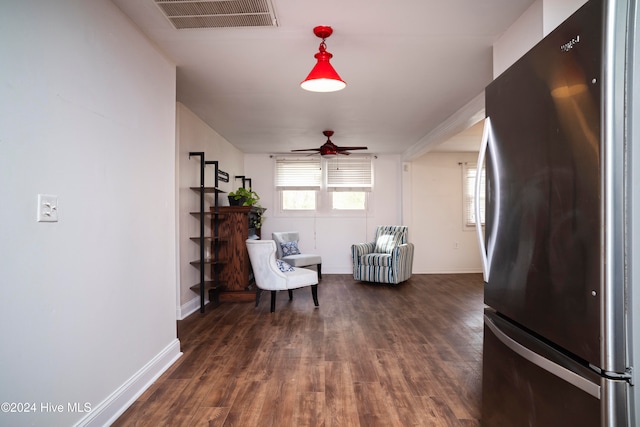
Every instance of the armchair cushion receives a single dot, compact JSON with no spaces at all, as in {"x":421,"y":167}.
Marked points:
{"x":386,"y":242}
{"x":283,"y":266}
{"x":289,"y":248}
{"x":303,"y":260}
{"x":376,"y":259}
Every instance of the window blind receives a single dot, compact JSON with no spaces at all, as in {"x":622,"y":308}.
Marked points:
{"x":349,"y":173}
{"x":298,"y":173}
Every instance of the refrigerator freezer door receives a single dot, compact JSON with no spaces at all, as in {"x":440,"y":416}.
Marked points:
{"x":526,"y":383}
{"x":544,"y":197}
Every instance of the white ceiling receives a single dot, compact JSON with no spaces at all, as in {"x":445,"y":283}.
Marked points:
{"x":409,"y":66}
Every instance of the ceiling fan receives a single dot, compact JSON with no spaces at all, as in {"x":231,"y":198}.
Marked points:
{"x":331,"y":149}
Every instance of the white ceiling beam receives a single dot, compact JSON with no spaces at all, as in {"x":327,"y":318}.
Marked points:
{"x":470,"y":114}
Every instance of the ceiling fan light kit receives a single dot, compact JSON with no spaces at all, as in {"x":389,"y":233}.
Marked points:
{"x":323,"y":77}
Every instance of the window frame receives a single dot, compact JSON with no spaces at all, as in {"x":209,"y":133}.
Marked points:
{"x":468,"y":195}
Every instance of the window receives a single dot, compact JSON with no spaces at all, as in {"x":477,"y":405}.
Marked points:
{"x":349,"y":200}
{"x":349,"y":174}
{"x":300,"y":182}
{"x":348,"y":180}
{"x":469,"y":172}
{"x":298,"y":200}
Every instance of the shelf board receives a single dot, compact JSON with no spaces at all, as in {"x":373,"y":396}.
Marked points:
{"x":220,"y":216}
{"x":208,"y":261}
{"x":208,"y":284}
{"x":208,"y":239}
{"x":208,"y":189}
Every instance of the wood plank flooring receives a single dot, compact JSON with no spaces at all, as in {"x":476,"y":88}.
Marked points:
{"x":370,"y":355}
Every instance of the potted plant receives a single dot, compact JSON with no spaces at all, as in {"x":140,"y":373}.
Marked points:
{"x":243,"y":197}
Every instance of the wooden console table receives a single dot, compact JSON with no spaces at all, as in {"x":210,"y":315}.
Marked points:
{"x":235,"y":274}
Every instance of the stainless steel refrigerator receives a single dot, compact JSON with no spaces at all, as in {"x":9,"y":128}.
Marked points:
{"x":558,"y":244}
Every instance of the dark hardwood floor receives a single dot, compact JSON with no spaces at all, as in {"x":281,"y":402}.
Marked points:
{"x":370,"y":355}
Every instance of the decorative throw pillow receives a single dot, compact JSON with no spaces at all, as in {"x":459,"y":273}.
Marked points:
{"x":283,"y":266}
{"x":289,"y":248}
{"x":386,"y":243}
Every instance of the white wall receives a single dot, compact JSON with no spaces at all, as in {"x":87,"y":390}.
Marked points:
{"x":87,"y":304}
{"x":521,"y":36}
{"x":331,"y":236}
{"x":555,"y":12}
{"x":540,"y":19}
{"x":193,"y":135}
{"x":442,"y":243}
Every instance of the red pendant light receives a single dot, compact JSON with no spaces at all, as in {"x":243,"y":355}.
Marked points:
{"x":323,"y":78}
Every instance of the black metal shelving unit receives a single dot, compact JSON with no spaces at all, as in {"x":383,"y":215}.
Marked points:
{"x":213,"y":261}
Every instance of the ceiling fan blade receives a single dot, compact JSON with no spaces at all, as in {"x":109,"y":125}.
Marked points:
{"x":308,"y":149}
{"x":329,"y":148}
{"x":351,"y":148}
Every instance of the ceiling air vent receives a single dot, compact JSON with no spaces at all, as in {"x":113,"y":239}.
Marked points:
{"x":218,"y":14}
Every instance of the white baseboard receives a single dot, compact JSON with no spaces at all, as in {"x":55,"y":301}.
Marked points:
{"x":190,"y":307}
{"x":108,"y":411}
{"x":457,"y":271}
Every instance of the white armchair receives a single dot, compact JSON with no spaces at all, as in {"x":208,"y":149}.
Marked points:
{"x":289,"y":241}
{"x":269,"y":276}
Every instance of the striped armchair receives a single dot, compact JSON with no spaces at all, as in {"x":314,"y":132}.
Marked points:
{"x":388,"y":259}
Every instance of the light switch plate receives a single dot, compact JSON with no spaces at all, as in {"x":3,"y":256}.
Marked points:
{"x":47,"y":208}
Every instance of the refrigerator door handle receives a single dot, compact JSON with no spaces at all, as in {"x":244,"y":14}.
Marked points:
{"x":549,"y":366}
{"x":481,"y":156}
